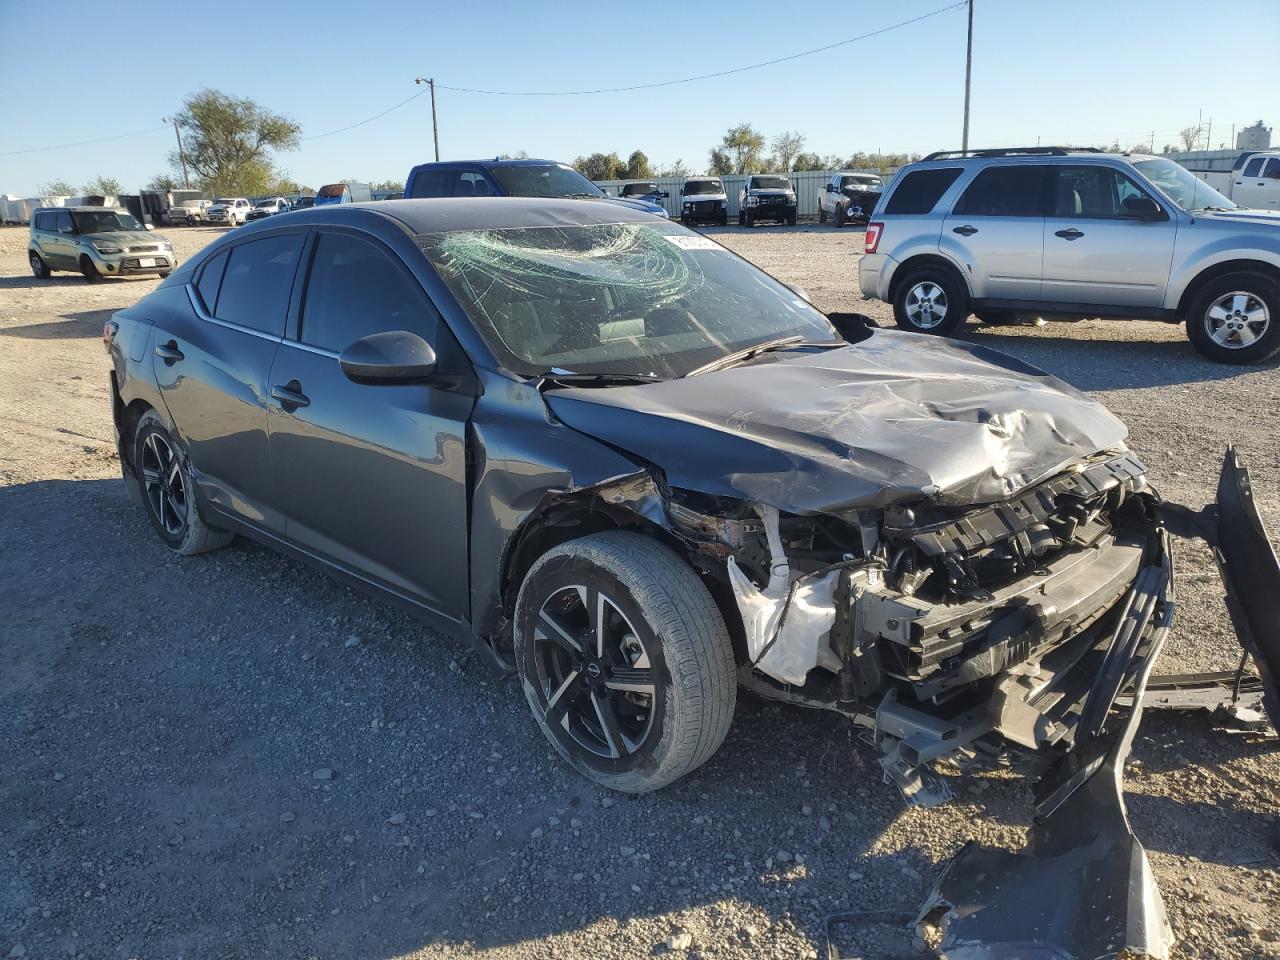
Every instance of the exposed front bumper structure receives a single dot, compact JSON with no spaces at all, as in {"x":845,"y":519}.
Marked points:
{"x":1082,"y":887}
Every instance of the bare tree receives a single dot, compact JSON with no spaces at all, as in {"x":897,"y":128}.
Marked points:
{"x":785,"y":147}
{"x":1189,"y":136}
{"x":57,"y":188}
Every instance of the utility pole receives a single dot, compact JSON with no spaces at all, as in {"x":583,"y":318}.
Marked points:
{"x":1208,"y":137}
{"x":435,"y":129}
{"x":1153,"y":141}
{"x":182,"y":156}
{"x":968,"y":71}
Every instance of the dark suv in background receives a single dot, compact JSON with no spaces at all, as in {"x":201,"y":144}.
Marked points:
{"x":512,"y":178}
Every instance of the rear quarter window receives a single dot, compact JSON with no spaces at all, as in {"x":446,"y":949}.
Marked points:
{"x":430,"y":183}
{"x":257,"y":282}
{"x":920,"y":190}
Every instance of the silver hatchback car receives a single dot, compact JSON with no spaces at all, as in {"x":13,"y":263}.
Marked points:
{"x":1064,"y":233}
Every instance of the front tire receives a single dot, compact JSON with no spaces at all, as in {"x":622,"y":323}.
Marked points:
{"x":88,"y":270}
{"x":625,"y":660}
{"x":930,"y":300}
{"x":840,"y":216}
{"x":162,"y":474}
{"x":751,"y":218}
{"x":1236,"y":318}
{"x":39,"y":268}
{"x":822,"y":214}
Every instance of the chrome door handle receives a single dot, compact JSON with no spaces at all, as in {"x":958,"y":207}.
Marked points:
{"x":169,"y":352}
{"x":1069,"y":234}
{"x":290,"y":395}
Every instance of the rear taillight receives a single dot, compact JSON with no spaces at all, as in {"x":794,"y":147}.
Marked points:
{"x":873,"y":236}
{"x":109,"y":331}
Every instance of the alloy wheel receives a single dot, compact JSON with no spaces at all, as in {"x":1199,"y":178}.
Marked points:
{"x":164,"y":484}
{"x":1236,"y":320}
{"x":926,"y":305}
{"x":597,"y":681}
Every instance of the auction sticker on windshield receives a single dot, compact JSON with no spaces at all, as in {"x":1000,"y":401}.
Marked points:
{"x":693,"y":243}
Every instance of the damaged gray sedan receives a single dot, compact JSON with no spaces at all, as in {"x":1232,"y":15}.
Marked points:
{"x":639,"y":472}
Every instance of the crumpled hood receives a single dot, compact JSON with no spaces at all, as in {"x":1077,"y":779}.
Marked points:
{"x":894,"y":418}
{"x":635,"y":203}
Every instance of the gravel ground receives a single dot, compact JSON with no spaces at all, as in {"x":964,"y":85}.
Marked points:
{"x":232,"y":756}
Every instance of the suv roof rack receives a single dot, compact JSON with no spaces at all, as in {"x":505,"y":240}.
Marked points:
{"x":1010,"y":152}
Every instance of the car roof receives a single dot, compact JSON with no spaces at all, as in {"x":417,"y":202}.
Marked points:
{"x":420,"y":216}
{"x":492,"y":162}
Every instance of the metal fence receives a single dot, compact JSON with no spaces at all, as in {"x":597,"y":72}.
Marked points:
{"x":808,"y":184}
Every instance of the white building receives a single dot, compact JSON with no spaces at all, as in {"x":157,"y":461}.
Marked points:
{"x":1256,"y":137}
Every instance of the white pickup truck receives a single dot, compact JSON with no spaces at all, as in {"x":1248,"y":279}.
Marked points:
{"x":849,"y":197}
{"x":1253,"y":181}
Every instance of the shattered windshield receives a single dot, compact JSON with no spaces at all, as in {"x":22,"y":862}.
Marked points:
{"x":695,"y":187}
{"x":1182,"y":186}
{"x":622,"y":299}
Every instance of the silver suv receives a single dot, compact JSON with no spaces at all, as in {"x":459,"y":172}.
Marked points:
{"x":1063,"y":233}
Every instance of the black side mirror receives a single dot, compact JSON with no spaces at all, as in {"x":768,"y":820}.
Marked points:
{"x":664,"y":194}
{"x":394,"y":357}
{"x":852,"y":327}
{"x":1142,"y":208}
{"x":831,"y":188}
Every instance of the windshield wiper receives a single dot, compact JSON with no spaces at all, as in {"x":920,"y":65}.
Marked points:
{"x":553,"y":379}
{"x":782,"y":343}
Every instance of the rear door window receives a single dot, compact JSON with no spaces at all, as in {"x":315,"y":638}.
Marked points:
{"x":44,"y":221}
{"x":354,"y":289}
{"x":1272,"y":171}
{"x":257,"y":283}
{"x":920,"y":190}
{"x":1004,"y":191}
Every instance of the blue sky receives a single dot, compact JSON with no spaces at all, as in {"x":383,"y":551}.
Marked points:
{"x":1079,"y":71}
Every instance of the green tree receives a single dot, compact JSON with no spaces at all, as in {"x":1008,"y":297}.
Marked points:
{"x":786,"y":146}
{"x":228,"y":140}
{"x":102,"y":186}
{"x":677,"y":169}
{"x":744,"y":145}
{"x":162,"y":181}
{"x":57,"y":188}
{"x":720,"y":163}
{"x":638,"y":167}
{"x":808,"y":161}
{"x":600,"y":166}
{"x":392,"y":185}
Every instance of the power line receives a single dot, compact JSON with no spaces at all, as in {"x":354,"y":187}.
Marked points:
{"x":80,"y":143}
{"x":704,"y":76}
{"x":361,"y":123}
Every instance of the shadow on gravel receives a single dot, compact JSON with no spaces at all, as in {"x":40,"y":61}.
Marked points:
{"x":87,"y":323}
{"x":231,"y":755}
{"x":63,"y":280}
{"x":1098,"y":364}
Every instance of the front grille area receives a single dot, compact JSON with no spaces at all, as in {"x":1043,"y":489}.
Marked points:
{"x":133,"y":263}
{"x":144,"y":249}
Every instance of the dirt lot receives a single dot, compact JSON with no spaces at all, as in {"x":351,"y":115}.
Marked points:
{"x":231,"y":756}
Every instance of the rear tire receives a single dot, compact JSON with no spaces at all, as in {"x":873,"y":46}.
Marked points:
{"x":1236,"y":318}
{"x":661,"y":632}
{"x":39,"y":268}
{"x":162,"y":475}
{"x":930,"y":300}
